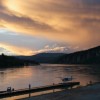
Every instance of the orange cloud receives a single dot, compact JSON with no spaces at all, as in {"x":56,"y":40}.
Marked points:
{"x":74,"y":21}
{"x":25,"y":51}
{"x":16,"y":50}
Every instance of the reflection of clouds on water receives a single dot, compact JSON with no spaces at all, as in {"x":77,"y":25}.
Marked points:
{"x":45,"y":75}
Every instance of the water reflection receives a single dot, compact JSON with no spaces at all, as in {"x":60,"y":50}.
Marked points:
{"x":46,"y":74}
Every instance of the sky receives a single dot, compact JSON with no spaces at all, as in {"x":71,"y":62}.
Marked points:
{"x":28,"y":27}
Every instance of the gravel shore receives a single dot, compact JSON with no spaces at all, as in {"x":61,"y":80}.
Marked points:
{"x":91,"y":92}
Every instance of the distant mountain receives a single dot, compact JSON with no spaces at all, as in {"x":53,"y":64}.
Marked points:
{"x":10,"y":61}
{"x":91,"y":56}
{"x":43,"y":57}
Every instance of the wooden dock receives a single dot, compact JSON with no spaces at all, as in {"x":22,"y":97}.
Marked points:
{"x":38,"y":89}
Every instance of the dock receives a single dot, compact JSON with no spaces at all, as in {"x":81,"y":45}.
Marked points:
{"x":38,"y":89}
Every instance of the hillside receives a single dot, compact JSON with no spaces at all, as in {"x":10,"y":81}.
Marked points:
{"x":43,"y":57}
{"x":91,"y":56}
{"x":10,"y":61}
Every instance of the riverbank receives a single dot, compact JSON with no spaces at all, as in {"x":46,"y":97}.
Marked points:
{"x":91,"y":92}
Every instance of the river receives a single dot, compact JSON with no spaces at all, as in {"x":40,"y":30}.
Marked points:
{"x":46,"y":74}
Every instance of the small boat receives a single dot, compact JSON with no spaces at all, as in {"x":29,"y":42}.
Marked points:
{"x":66,"y":79}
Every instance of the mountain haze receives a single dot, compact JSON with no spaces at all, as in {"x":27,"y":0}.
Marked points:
{"x":90,"y":56}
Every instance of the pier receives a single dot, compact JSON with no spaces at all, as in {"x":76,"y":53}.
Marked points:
{"x":5,"y":94}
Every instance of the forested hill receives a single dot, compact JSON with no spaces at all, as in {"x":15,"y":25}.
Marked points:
{"x":91,"y":56}
{"x":10,"y":61}
{"x":42,"y":57}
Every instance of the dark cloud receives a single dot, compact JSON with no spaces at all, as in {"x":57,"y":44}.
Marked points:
{"x":91,"y":2}
{"x":25,"y":21}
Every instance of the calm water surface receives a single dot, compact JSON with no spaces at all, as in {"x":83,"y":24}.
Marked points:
{"x":46,"y":74}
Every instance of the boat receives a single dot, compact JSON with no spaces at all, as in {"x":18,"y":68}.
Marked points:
{"x":66,"y":79}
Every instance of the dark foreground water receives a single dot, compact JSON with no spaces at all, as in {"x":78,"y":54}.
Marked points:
{"x":46,"y":74}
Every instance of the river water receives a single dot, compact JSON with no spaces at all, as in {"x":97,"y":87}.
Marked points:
{"x":46,"y":74}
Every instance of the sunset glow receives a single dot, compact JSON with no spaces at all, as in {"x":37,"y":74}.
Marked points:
{"x":68,"y":24}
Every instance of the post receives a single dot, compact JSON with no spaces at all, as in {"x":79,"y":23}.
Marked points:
{"x":29,"y":90}
{"x":53,"y":89}
{"x":90,"y":82}
{"x":29,"y":86}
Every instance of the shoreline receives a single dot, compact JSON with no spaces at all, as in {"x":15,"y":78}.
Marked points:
{"x":89,"y":92}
